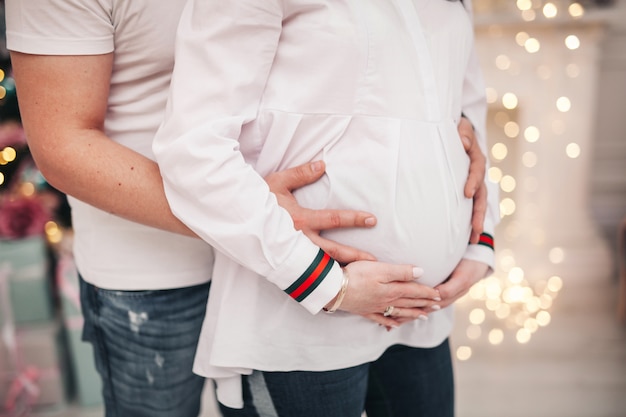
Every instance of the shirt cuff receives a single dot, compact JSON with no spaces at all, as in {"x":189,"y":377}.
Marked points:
{"x":310,"y":276}
{"x":483,"y":251}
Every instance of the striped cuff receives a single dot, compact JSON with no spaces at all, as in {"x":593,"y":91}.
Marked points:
{"x":486,"y":240}
{"x":312,"y":277}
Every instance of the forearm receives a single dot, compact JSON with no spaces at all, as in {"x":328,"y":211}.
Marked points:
{"x":111,"y":177}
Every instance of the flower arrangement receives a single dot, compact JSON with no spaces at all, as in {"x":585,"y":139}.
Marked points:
{"x":22,"y":217}
{"x":24,"y":207}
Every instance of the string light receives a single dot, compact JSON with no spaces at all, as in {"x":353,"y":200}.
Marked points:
{"x":513,"y":304}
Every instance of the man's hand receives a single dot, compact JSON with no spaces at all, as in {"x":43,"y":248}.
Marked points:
{"x":465,"y":275}
{"x":311,"y":222}
{"x":475,"y":185}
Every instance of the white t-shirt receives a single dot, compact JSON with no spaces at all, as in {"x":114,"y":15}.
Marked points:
{"x":376,"y":90}
{"x":112,"y":252}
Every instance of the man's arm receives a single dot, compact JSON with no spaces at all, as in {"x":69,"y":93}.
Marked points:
{"x":63,"y":101}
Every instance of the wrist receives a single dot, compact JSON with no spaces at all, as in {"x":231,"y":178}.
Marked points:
{"x":335,"y":303}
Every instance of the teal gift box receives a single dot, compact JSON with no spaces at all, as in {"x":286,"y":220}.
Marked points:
{"x":26,"y":261}
{"x":86,"y":379}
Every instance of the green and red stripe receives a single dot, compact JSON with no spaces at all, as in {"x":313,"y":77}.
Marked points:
{"x":312,"y":277}
{"x":486,"y":240}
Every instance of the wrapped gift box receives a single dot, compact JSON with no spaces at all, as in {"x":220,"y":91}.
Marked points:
{"x":29,"y":284}
{"x":86,"y":378}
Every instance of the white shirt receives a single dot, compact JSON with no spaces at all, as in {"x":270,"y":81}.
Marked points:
{"x":112,"y":252}
{"x":375,"y":89}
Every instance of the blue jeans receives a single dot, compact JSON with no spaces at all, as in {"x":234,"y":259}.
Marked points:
{"x":403,"y":382}
{"x":144,"y":345}
{"x":410,"y":382}
{"x":339,"y":393}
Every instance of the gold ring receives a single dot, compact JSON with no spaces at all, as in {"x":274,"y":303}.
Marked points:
{"x":388,"y":311}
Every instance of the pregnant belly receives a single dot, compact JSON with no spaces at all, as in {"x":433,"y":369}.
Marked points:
{"x":410,"y":175}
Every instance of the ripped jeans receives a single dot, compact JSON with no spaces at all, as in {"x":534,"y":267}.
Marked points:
{"x":144,"y":345}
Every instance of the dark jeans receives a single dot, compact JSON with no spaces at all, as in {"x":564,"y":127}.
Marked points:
{"x":403,"y":382}
{"x":144,"y":346}
{"x":409,"y":382}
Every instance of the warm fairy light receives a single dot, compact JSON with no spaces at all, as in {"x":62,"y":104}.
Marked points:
{"x":463,"y":353}
{"x":563,"y":104}
{"x":516,"y":275}
{"x":27,"y":189}
{"x":499,"y":151}
{"x":532,"y":45}
{"x":507,"y":207}
{"x":496,"y":336}
{"x":477,"y":316}
{"x":493,"y":288}
{"x":533,"y":305}
{"x":516,"y":297}
{"x":555,"y":283}
{"x":543,"y":318}
{"x":529,"y":15}
{"x":521,"y":38}
{"x":511,"y":129}
{"x":572,"y":150}
{"x":507,"y":184}
{"x":53,"y":233}
{"x":529,"y":159}
{"x":1,"y":75}
{"x":556,"y":255}
{"x":3,"y":92}
{"x":1,"y":178}
{"x":576,"y":10}
{"x":492,"y":95}
{"x":509,"y":101}
{"x":503,"y":62}
{"x":549,"y":10}
{"x":545,"y":301}
{"x":8,"y":155}
{"x":531,"y":325}
{"x":531,"y":134}
{"x":523,"y":336}
{"x":572,"y":42}
{"x":495,"y":174}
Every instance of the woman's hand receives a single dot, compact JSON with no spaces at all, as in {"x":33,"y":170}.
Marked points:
{"x":376,"y":287}
{"x":465,"y":275}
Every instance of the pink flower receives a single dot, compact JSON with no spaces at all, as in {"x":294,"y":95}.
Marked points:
{"x":12,"y":134}
{"x":22,"y":217}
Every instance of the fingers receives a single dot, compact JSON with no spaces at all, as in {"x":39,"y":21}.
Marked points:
{"x":478,"y":212}
{"x":408,"y":314}
{"x":296,"y":177}
{"x":467,"y":273}
{"x":477,"y":169}
{"x":388,"y":322}
{"x":341,"y":253}
{"x":333,"y":219}
{"x":466,"y":132}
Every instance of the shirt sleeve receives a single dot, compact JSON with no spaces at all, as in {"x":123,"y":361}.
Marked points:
{"x":224,"y":53}
{"x":53,"y":27}
{"x":474,"y":107}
